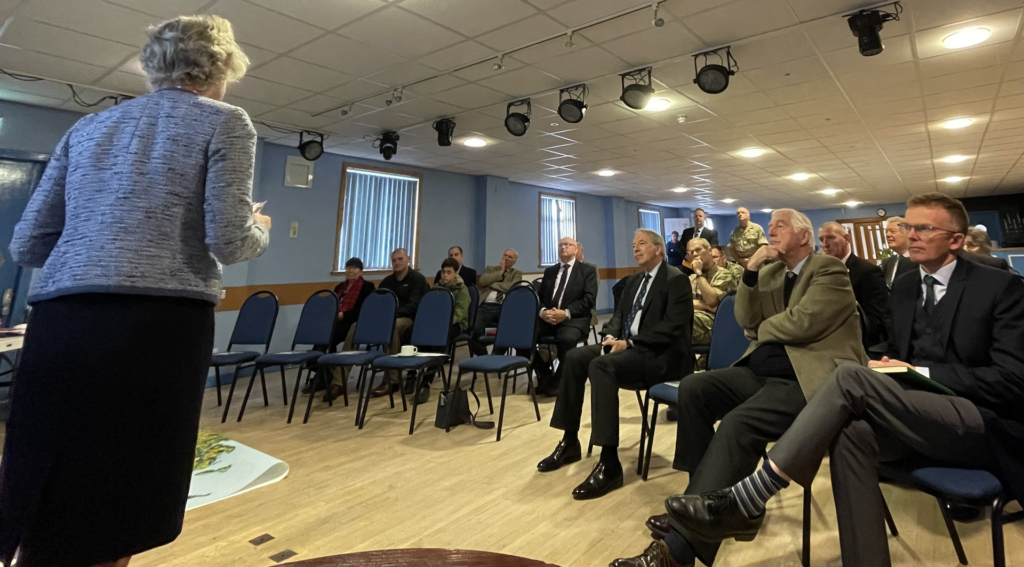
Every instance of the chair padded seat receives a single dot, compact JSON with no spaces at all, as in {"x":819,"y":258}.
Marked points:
{"x":665,"y":393}
{"x":232,"y":358}
{"x":290,"y":357}
{"x":963,"y":484}
{"x":463,"y":337}
{"x":356,"y":359}
{"x":492,"y":363}
{"x":700,"y":349}
{"x":547,"y":340}
{"x":409,"y":362}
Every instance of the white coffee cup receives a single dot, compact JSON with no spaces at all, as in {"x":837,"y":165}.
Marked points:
{"x":409,"y":350}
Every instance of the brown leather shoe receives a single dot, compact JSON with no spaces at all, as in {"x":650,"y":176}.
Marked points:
{"x":656,"y":555}
{"x":385,"y":389}
{"x":659,"y":526}
{"x":336,"y":391}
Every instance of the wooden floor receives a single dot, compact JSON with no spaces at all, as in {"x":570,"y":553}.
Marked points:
{"x":381,"y":488}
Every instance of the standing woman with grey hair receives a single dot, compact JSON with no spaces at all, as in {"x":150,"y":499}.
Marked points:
{"x":139,"y":206}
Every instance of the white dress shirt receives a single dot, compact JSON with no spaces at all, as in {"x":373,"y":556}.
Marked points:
{"x":634,"y":329}
{"x":558,"y":280}
{"x":796,"y":269}
{"x":697,"y":231}
{"x":941,"y":276}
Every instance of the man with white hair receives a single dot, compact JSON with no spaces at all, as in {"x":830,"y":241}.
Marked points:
{"x":494,"y":283}
{"x":899,"y":263}
{"x":800,"y":315}
{"x":867,"y":279}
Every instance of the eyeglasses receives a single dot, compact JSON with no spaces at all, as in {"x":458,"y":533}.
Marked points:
{"x":566,"y":245}
{"x":925,"y":230}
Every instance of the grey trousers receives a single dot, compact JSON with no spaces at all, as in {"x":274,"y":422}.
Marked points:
{"x":862,"y":418}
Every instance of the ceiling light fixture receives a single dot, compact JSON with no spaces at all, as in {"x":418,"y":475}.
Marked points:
{"x":637,"y":94}
{"x":954,"y":179}
{"x":445,"y":127}
{"x":569,"y":42}
{"x":752,"y":152}
{"x":388,"y":145}
{"x":681,"y":119}
{"x":714,"y":78}
{"x":800,"y":176}
{"x":957,"y":123}
{"x":866,"y":24}
{"x":311,"y":150}
{"x":345,"y":111}
{"x":516,"y":122}
{"x":500,"y":63}
{"x":606,"y":172}
{"x":966,"y":38}
{"x":396,"y":96}
{"x":767,"y":210}
{"x":680,"y":189}
{"x":474,"y":142}
{"x":852,"y":204}
{"x":657,"y":21}
{"x":829,"y":192}
{"x":572,"y":105}
{"x":955,"y":159}
{"x":657,"y":104}
{"x":728,"y":201}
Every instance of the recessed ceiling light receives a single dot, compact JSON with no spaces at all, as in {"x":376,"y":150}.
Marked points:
{"x":752,"y":152}
{"x":955,"y":159}
{"x":606,"y":173}
{"x":474,"y":142}
{"x":852,"y":203}
{"x":727,"y":201}
{"x":800,"y":176}
{"x":554,"y":123}
{"x":954,"y":179}
{"x":657,"y":105}
{"x":966,"y":38}
{"x":957,"y":123}
{"x":829,"y":192}
{"x":767,"y":210}
{"x":680,"y":190}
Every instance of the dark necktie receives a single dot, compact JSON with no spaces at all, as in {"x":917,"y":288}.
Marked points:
{"x":637,"y":305}
{"x":499,"y":297}
{"x":561,"y":285}
{"x":929,"y":293}
{"x":787,"y":288}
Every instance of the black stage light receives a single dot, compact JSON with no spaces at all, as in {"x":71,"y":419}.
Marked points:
{"x":714,"y":78}
{"x":389,"y":145}
{"x":638,"y":94}
{"x":311,"y":150}
{"x":516,"y":122}
{"x":445,"y":129}
{"x":866,"y":25}
{"x":573,"y":106}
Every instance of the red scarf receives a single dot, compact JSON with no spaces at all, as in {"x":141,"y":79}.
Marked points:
{"x":348,"y":292}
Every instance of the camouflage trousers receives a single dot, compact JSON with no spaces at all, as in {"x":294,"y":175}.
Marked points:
{"x":702,"y":323}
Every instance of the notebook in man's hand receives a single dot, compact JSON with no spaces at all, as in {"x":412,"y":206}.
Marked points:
{"x":914,"y":379}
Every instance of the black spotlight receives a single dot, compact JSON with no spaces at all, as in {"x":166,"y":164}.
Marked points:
{"x":311,"y":150}
{"x":389,"y":145}
{"x":637,"y":94}
{"x":445,"y":129}
{"x":866,"y":24}
{"x":516,"y":122}
{"x":572,"y":104}
{"x":714,"y":78}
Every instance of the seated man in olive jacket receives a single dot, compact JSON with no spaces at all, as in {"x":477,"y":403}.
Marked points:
{"x":494,"y":283}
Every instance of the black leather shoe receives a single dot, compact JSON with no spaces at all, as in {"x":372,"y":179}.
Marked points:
{"x":659,"y":526}
{"x":563,"y":455}
{"x":424,"y":395}
{"x":672,"y":413}
{"x":384,"y":389}
{"x":601,"y":481}
{"x":656,"y":555}
{"x":712,"y":516}
{"x":964,"y":514}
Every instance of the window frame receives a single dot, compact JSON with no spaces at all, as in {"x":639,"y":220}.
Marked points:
{"x":640,"y":219}
{"x":338,"y":268}
{"x":540,"y":221}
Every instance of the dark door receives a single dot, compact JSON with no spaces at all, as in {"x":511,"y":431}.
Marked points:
{"x":17,"y":180}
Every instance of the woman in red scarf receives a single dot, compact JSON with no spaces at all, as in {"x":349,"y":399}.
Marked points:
{"x":351,"y":294}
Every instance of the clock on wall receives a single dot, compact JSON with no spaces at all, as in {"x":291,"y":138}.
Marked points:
{"x":881,"y":212}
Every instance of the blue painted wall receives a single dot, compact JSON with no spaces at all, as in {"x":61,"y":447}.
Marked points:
{"x":35,"y":129}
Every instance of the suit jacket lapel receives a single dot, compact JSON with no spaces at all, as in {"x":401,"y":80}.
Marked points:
{"x":911,"y":307}
{"x":655,"y":286}
{"x":949,"y":302}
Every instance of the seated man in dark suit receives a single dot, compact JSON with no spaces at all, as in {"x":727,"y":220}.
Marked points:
{"x":959,"y":324}
{"x":467,"y":274}
{"x":898,"y":264}
{"x":867,"y":279}
{"x":567,"y":294}
{"x":646,"y":342}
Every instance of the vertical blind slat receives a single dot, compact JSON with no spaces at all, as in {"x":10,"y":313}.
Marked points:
{"x":379,"y":215}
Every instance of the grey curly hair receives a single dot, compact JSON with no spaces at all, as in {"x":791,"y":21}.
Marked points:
{"x":192,"y":51}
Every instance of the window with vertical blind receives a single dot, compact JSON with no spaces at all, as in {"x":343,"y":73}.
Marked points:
{"x":378,"y":212}
{"x":557,"y":220}
{"x":651,"y":220}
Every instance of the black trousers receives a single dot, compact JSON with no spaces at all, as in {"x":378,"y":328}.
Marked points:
{"x":608,"y":374}
{"x":753,"y":411}
{"x":487,"y":315}
{"x":566,"y":339}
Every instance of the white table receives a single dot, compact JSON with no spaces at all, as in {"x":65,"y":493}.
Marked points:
{"x":11,"y":343}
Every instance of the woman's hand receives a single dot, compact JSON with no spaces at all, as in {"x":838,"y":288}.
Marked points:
{"x":261,"y":219}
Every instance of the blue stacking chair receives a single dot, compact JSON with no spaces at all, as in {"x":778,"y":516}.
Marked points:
{"x":517,"y":329}
{"x":463,"y":338}
{"x":374,"y":329}
{"x":430,"y":329}
{"x":964,"y":487}
{"x":254,"y":326}
{"x":316,"y":327}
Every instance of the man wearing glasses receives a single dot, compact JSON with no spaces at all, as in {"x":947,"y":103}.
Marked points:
{"x":957,"y":323}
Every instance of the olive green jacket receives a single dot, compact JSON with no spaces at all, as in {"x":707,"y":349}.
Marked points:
{"x":460,"y":293}
{"x":493,"y":280}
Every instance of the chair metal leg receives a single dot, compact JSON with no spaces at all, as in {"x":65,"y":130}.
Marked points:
{"x":805,"y":554}
{"x":650,"y":441}
{"x":501,"y":409}
{"x":998,"y":550}
{"x":295,"y":395}
{"x":888,"y":518}
{"x":487,"y":386}
{"x":245,"y":400}
{"x":643,"y":430}
{"x":533,"y":392}
{"x":216,"y":373}
{"x":318,"y":376}
{"x":365,"y":396}
{"x":263,"y":383}
{"x":284,"y":386}
{"x":417,"y":377}
{"x":344,"y":383}
{"x":231,"y":391}
{"x":953,"y":534}
{"x":590,"y":448}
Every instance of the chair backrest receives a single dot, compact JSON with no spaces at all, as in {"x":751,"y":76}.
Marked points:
{"x":517,"y":324}
{"x":433,"y":319}
{"x":727,"y":340}
{"x":536,"y":284}
{"x":316,"y":323}
{"x":377,"y":319}
{"x":474,"y":299}
{"x":256,"y":321}
{"x":522,"y":283}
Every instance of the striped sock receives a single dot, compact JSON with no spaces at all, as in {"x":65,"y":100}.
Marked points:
{"x":753,"y":492}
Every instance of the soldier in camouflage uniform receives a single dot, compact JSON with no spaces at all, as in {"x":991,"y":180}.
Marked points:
{"x":718,"y":254}
{"x":710,"y":285}
{"x":746,"y":238}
